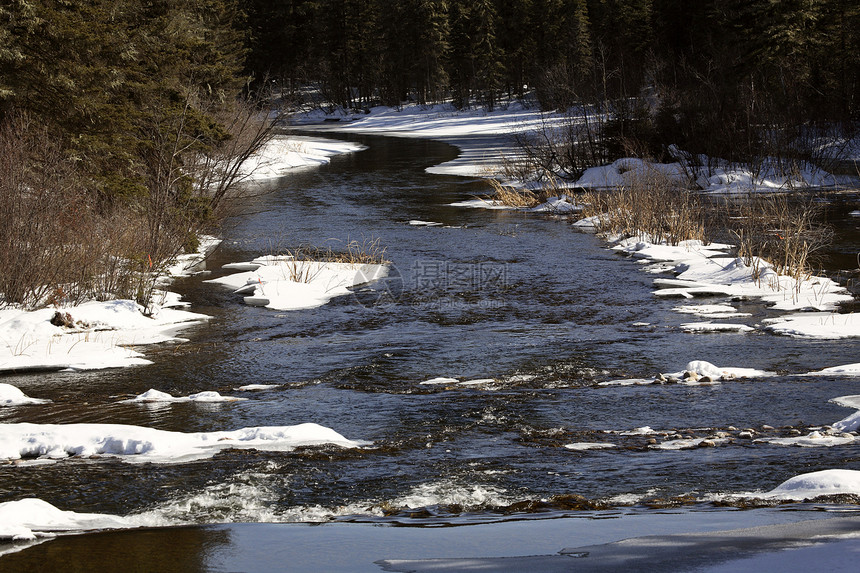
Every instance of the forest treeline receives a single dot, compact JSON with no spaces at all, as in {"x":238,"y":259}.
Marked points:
{"x":706,"y":73}
{"x":124,"y":121}
{"x":122,"y":127}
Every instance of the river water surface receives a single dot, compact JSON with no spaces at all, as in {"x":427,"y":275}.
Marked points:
{"x":544,"y":311}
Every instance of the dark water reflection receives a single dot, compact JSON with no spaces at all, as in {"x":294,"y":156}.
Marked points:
{"x":545,"y":311}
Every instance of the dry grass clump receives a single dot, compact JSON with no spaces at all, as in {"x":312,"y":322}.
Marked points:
{"x":781,"y":229}
{"x":524,"y":198}
{"x":304,"y":263}
{"x":651,"y":205}
{"x":506,"y":195}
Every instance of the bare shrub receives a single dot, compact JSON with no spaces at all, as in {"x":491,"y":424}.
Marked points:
{"x":783,"y":230}
{"x":651,"y":204}
{"x":45,"y":244}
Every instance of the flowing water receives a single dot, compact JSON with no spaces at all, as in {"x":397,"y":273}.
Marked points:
{"x":544,"y":311}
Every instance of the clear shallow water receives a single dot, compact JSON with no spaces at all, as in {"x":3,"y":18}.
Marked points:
{"x":543,"y":310}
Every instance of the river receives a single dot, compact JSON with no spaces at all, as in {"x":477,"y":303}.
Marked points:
{"x":544,"y":311}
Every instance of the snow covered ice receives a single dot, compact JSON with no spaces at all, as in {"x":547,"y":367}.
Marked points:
{"x":283,"y":283}
{"x":139,"y":444}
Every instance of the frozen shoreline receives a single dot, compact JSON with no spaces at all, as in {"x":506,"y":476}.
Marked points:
{"x":677,"y":541}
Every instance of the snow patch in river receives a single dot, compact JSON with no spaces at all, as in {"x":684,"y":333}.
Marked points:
{"x":153,"y":395}
{"x":13,"y":396}
{"x":284,"y":283}
{"x":138,"y":444}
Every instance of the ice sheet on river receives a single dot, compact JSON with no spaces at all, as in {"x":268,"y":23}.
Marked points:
{"x":139,"y":444}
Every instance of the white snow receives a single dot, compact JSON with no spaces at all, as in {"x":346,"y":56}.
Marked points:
{"x":852,"y":401}
{"x":284,"y":153}
{"x":820,"y":325}
{"x":629,"y":382}
{"x":140,"y":444}
{"x":557,"y":205}
{"x":688,"y":443}
{"x":477,"y":382}
{"x":846,"y":370}
{"x":13,"y":396}
{"x":440,"y":380}
{"x":711,"y":310}
{"x":814,"y":439}
{"x":27,"y":519}
{"x":810,"y":485}
{"x":255,"y":387}
{"x":583,"y":446}
{"x":283,"y":283}
{"x":707,"y":270}
{"x":479,"y":203}
{"x":715,"y":327}
{"x":419,"y":223}
{"x":153,"y":395}
{"x":99,"y":339}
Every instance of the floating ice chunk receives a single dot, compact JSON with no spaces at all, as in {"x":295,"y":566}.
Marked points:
{"x":440,"y":380}
{"x":711,"y":310}
{"x":27,"y":519}
{"x":688,"y":443}
{"x":13,"y":396}
{"x":849,"y":424}
{"x":852,"y":401}
{"x":629,"y":382}
{"x":139,"y":444}
{"x":715,"y":327}
{"x":814,"y":439}
{"x":582,"y":446}
{"x":417,"y":223}
{"x":846,"y":370}
{"x":256,"y":387}
{"x":481,"y":204}
{"x":642,"y":431}
{"x":824,"y":482}
{"x":703,"y":368}
{"x":477,"y":382}
{"x":153,"y":395}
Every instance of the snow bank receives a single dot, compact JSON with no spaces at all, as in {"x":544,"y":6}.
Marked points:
{"x":283,"y":283}
{"x":712,"y":175}
{"x":153,"y":395}
{"x":27,"y":519}
{"x":708,"y":270}
{"x":95,"y":335}
{"x":283,"y":153}
{"x":824,"y":482}
{"x":820,"y":325}
{"x":846,"y":370}
{"x":12,"y":396}
{"x":139,"y":444}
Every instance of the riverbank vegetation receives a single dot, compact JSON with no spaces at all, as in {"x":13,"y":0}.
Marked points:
{"x":127,"y":121}
{"x":123,"y":126}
